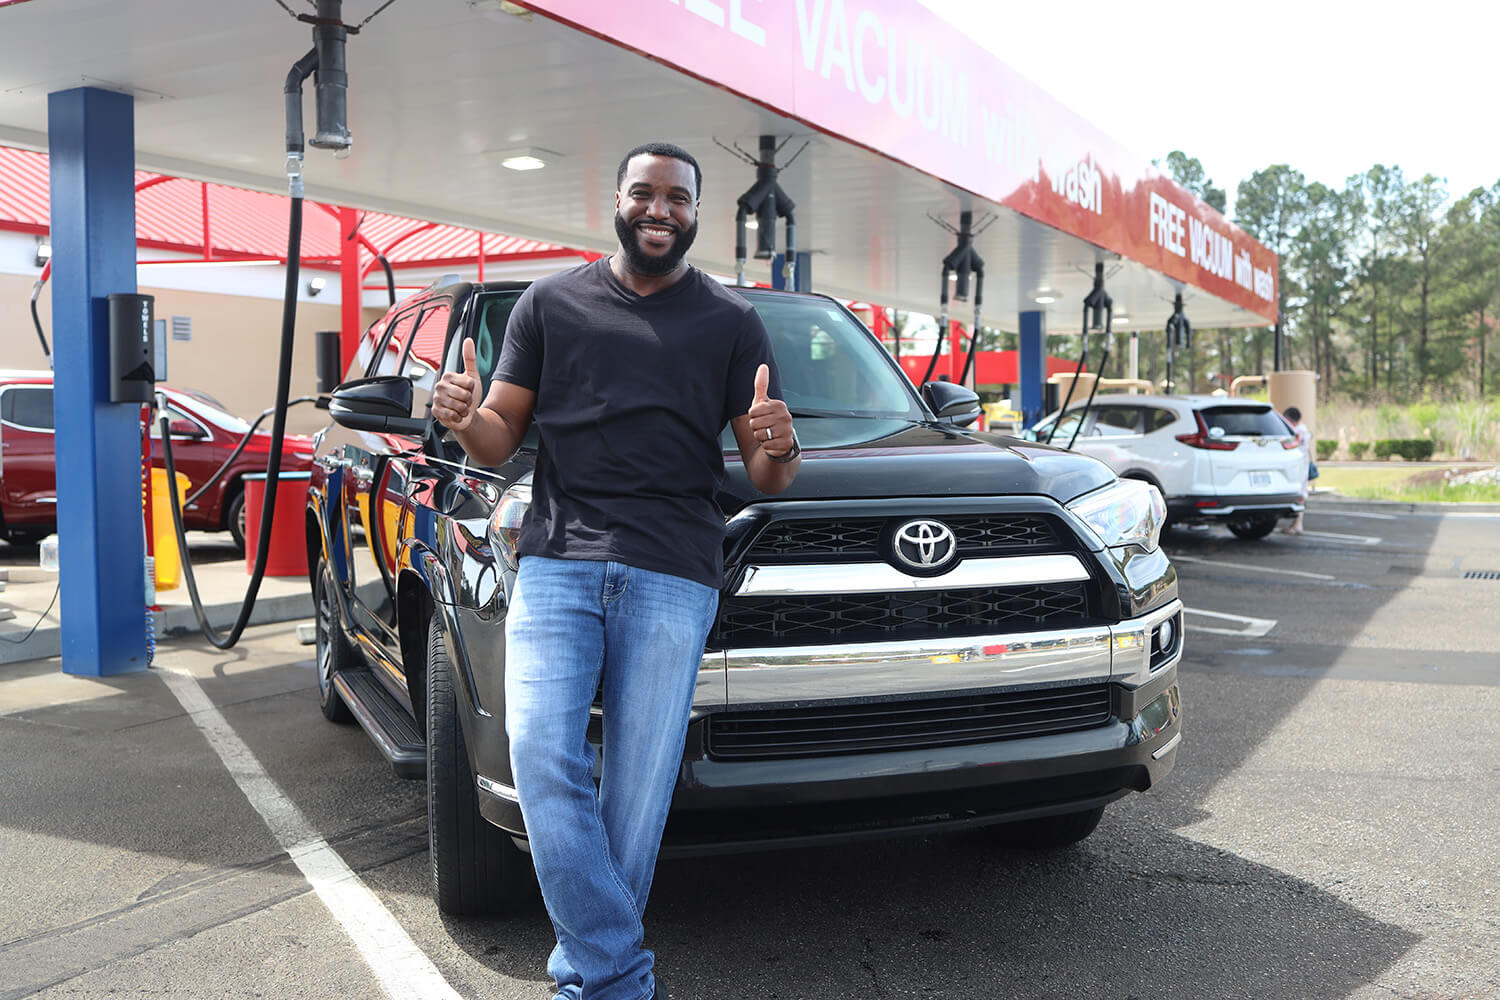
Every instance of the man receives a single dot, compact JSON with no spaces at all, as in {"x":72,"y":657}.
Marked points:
{"x":631,"y":366}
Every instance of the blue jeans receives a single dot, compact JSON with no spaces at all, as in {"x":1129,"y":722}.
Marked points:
{"x":572,"y":624}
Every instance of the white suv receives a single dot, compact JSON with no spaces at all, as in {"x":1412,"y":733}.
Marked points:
{"x":1214,"y":458}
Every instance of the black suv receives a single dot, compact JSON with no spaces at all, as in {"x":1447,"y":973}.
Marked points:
{"x":933,"y":628}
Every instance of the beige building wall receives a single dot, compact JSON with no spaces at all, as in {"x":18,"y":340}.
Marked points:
{"x":232,"y":356}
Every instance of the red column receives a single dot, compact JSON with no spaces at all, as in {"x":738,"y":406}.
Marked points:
{"x":956,"y":350}
{"x":349,"y":290}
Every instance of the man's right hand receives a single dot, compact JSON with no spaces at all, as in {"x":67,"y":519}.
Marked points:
{"x":455,"y":398}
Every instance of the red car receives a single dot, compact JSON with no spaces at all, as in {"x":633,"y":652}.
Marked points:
{"x":204,"y":434}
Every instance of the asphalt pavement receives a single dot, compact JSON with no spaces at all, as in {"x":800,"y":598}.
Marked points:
{"x":1328,"y":832}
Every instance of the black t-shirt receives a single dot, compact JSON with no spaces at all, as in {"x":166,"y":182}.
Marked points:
{"x":632,"y":393}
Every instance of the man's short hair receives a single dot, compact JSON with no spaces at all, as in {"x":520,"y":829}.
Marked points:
{"x":1293,"y":414}
{"x":662,"y":149}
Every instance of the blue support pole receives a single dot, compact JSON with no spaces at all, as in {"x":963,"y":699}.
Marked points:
{"x":101,"y":545}
{"x":1032,"y":366}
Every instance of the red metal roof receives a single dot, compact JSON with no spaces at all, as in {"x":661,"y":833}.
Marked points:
{"x":182,"y":215}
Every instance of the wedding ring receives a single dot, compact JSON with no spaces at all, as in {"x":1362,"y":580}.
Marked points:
{"x":770,"y":434}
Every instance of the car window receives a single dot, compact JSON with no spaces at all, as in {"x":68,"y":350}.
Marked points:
{"x":426,"y":344}
{"x":828,"y":362}
{"x":28,"y":406}
{"x":494,"y":312}
{"x":1117,"y":421}
{"x":1065,"y":429}
{"x":174,"y":415}
{"x":1245,"y":421}
{"x":1157,"y":418}
{"x":387,"y":350}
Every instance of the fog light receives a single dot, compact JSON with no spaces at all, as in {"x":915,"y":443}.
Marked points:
{"x":1164,"y":636}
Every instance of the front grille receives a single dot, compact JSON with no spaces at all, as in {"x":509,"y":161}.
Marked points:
{"x":821,"y":618}
{"x":858,"y":539}
{"x":907,"y":725}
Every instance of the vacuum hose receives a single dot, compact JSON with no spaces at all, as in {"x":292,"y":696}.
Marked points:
{"x":273,"y":464}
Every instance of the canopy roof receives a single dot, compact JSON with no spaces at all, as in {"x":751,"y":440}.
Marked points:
{"x":908,"y":120}
{"x":227,"y":223}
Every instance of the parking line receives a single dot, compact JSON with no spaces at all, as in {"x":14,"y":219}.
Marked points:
{"x":1253,"y":626}
{"x":1258,"y":569}
{"x":400,"y":966}
{"x":1342,"y":539}
{"x":1354,"y":513}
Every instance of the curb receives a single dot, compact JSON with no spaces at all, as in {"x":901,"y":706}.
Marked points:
{"x":171,"y":623}
{"x":1333,"y":501}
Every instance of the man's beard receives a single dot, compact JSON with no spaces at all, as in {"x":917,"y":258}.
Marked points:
{"x":642,"y":263}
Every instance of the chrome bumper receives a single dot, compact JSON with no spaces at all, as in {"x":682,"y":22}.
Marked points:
{"x":1120,"y":653}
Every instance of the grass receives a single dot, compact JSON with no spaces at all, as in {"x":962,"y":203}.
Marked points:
{"x":1403,"y":482}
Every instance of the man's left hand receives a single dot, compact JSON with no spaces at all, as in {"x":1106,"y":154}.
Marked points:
{"x":770,"y":420}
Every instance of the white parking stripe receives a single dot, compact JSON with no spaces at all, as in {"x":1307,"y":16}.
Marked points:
{"x":1341,"y":539}
{"x":400,"y":966}
{"x":1253,"y":626}
{"x":1258,"y":569}
{"x":1354,"y":513}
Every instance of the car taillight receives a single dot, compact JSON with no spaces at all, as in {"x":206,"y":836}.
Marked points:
{"x":1290,"y":443}
{"x":1200,"y":439}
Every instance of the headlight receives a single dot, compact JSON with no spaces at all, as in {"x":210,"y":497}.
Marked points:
{"x":505,"y":522}
{"x":1127,"y":512}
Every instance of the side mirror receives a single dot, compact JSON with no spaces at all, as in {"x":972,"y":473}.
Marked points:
{"x":951,"y":403}
{"x":381,"y":404}
{"x":186,"y":429}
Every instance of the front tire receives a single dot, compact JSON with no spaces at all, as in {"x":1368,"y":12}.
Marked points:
{"x":334,"y":654}
{"x":1252,"y":526}
{"x":1049,"y":833}
{"x":476,"y":867}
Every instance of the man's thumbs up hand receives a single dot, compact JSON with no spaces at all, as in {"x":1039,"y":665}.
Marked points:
{"x":770,"y":420}
{"x":455,"y":398}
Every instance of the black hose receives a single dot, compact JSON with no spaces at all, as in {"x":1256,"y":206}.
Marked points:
{"x":1092,"y":390}
{"x":390,"y":277}
{"x":36,"y":320}
{"x":193,"y":497}
{"x":1082,"y":360}
{"x":273,"y":464}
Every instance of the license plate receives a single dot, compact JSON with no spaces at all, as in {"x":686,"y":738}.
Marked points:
{"x":1260,"y":478}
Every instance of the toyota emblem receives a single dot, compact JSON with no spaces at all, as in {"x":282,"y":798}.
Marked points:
{"x":924,"y":546}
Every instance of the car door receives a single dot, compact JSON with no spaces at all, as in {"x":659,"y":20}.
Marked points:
{"x":28,"y":471}
{"x":197,"y":453}
{"x":363,"y":457}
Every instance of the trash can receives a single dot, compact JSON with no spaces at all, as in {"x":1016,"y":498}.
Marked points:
{"x":288,"y":553}
{"x":163,"y":532}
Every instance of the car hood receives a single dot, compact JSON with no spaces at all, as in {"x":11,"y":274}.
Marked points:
{"x":873,"y":458}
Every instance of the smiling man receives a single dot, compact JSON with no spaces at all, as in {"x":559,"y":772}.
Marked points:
{"x":631,"y":366}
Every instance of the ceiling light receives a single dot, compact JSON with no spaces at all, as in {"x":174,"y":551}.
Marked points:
{"x":752,"y":223}
{"x":523,"y":157}
{"x":43,"y":251}
{"x":316,"y":285}
{"x":1045,"y":300}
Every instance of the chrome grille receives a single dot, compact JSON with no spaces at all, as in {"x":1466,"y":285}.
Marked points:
{"x":907,"y":725}
{"x":856,"y":539}
{"x":821,"y":618}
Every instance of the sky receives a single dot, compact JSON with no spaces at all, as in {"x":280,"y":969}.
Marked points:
{"x":1330,"y":87}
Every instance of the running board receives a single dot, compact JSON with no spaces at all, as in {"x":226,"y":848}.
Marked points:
{"x":388,"y":724}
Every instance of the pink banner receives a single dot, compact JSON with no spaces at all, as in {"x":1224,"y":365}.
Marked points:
{"x":892,"y":76}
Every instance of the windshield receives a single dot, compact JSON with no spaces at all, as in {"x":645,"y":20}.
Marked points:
{"x":830,"y":365}
{"x":214,"y":411}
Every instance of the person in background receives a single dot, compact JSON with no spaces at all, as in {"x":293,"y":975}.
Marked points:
{"x":1304,"y":444}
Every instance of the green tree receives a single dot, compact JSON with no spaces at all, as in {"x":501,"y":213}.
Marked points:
{"x":1188,"y":171}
